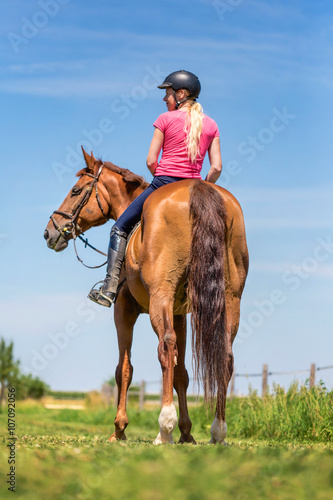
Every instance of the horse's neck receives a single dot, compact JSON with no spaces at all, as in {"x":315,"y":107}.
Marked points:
{"x":120,"y":197}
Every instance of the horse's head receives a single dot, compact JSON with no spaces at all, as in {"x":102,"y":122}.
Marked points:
{"x":85,"y":206}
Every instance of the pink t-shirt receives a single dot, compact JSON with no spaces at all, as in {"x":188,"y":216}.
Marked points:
{"x":174,"y":161}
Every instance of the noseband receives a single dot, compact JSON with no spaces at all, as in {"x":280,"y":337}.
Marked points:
{"x":71,"y":226}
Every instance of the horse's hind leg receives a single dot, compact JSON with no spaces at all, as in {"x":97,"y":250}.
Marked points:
{"x":236,"y":271}
{"x":218,"y":429}
{"x":126,"y":312}
{"x":161,"y":316}
{"x":181,"y":381}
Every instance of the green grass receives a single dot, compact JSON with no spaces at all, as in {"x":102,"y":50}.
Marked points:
{"x":279,"y":448}
{"x":299,"y":413}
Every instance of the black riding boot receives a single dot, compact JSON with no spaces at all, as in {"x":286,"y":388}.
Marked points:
{"x":106,"y":294}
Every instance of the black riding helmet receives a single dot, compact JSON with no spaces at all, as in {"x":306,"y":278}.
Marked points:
{"x":182,"y":80}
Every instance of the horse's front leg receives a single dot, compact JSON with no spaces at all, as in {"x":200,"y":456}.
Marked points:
{"x":161,"y":316}
{"x":126,"y":312}
{"x":181,"y":381}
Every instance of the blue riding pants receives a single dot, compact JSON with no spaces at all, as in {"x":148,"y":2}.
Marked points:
{"x":132,"y":214}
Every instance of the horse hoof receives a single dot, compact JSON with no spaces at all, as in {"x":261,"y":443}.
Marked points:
{"x":218,"y":431}
{"x":187,"y":439}
{"x":114,"y":438}
{"x":163,"y":439}
{"x":213,"y":441}
{"x":158,"y":440}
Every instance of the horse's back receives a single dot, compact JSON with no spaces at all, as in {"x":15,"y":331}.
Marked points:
{"x":177,"y":195}
{"x":169,"y":207}
{"x":159,"y":252}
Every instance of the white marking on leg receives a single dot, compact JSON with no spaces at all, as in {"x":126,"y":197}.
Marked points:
{"x":167,"y":421}
{"x":218,"y":431}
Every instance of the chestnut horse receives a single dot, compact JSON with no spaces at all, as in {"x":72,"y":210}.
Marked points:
{"x":188,"y":255}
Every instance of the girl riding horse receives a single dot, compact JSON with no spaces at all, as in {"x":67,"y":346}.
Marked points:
{"x":185,"y":134}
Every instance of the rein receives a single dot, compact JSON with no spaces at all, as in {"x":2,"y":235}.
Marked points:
{"x":71,"y":226}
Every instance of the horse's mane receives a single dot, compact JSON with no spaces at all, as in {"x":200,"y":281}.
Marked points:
{"x":129,"y":177}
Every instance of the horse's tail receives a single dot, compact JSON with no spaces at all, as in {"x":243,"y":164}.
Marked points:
{"x":206,"y":289}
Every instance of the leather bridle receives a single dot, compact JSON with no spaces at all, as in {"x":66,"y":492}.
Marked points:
{"x":71,"y":226}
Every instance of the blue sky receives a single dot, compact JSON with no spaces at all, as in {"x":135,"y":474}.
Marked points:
{"x":75,"y":72}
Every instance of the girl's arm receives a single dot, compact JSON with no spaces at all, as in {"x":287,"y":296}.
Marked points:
{"x":154,"y":150}
{"x":214,"y":155}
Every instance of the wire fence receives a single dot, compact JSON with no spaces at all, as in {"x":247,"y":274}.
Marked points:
{"x":110,"y":394}
{"x":266,"y":373}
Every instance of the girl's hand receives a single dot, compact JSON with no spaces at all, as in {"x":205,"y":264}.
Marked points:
{"x":214,"y":154}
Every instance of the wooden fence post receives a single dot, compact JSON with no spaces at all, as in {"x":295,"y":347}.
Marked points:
{"x":106,"y":394}
{"x":264,"y":379}
{"x":232,"y":384}
{"x":142,"y":395}
{"x":312,"y":375}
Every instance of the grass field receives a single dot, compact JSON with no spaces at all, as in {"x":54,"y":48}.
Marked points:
{"x":280,"y":447}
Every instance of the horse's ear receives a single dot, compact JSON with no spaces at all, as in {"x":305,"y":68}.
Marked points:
{"x":90,"y":160}
{"x":92,"y":157}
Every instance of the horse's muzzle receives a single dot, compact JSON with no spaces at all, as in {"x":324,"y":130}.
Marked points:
{"x":55,"y":240}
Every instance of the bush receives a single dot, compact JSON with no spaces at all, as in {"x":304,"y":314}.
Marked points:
{"x":29,"y":387}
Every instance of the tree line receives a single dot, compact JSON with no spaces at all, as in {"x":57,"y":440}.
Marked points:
{"x":26,"y":386}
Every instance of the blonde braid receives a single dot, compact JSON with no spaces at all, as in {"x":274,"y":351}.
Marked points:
{"x":193,"y":129}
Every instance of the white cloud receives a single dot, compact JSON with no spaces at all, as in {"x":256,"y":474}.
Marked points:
{"x":286,"y":223}
{"x":270,"y":194}
{"x":45,"y":67}
{"x":62,"y":87}
{"x":286,"y":208}
{"x":275,"y":267}
{"x":35,"y":315}
{"x":241,"y":52}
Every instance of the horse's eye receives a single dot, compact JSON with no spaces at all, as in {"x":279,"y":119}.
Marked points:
{"x":76,"y":190}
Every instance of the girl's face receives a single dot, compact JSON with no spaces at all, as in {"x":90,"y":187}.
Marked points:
{"x":170,"y":100}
